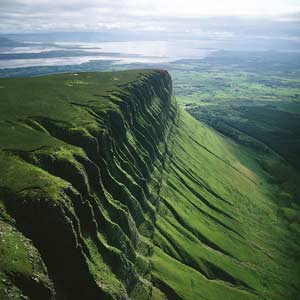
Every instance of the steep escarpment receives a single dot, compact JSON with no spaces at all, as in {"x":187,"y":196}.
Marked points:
{"x":78,"y":186}
{"x":109,"y":191}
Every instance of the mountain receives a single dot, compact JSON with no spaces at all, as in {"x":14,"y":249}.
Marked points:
{"x":110,"y":190}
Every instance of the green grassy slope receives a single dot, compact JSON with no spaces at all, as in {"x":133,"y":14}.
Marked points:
{"x":220,"y":224}
{"x":109,"y":191}
{"x":77,"y":152}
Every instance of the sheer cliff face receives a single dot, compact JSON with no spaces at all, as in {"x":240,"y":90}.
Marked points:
{"x":109,"y":191}
{"x":78,"y":183}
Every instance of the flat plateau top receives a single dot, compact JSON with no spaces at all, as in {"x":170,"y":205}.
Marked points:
{"x":52,"y":96}
{"x":66,"y":98}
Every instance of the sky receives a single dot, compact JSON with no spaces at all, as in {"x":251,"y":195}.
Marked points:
{"x":148,"y":15}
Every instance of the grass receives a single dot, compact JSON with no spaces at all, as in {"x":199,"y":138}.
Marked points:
{"x":126,"y":195}
{"x":229,"y":77}
{"x":237,"y":244}
{"x":19,"y":260}
{"x":192,"y":284}
{"x":56,"y":134}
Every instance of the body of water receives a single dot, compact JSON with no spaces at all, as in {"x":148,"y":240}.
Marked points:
{"x":122,"y":53}
{"x":135,"y":51}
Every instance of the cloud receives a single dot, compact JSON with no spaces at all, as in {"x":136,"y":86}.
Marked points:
{"x":150,"y":15}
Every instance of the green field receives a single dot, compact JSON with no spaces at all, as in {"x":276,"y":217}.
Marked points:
{"x":244,"y":76}
{"x":110,"y":190}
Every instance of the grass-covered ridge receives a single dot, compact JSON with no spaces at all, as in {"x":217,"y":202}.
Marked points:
{"x":109,"y":191}
{"x":220,"y":217}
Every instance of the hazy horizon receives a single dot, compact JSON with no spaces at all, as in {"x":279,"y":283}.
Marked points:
{"x":190,"y":16}
{"x":179,"y":29}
